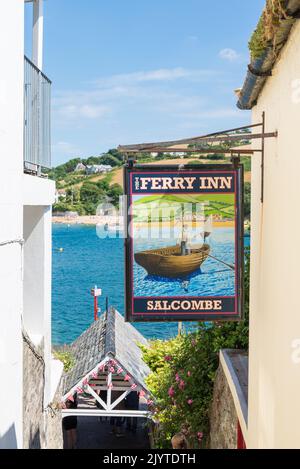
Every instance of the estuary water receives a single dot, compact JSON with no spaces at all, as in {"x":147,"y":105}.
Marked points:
{"x":87,"y":260}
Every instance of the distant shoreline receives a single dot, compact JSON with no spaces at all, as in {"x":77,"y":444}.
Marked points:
{"x":113,"y":221}
{"x":83,"y":220}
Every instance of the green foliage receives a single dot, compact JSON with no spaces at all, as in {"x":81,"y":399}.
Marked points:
{"x":116,"y":154}
{"x":183,"y":371}
{"x":110,"y":159}
{"x":66,"y":357}
{"x":247,"y":199}
{"x":267,"y":28}
{"x":114,"y":192}
{"x":258,"y":42}
{"x":91,"y":193}
{"x":215,"y":156}
{"x":68,"y":207}
{"x":246,"y":161}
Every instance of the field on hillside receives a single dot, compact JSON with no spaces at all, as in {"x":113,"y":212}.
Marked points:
{"x":217,"y":205}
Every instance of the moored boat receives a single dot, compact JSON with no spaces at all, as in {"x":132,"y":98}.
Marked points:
{"x":169,"y":261}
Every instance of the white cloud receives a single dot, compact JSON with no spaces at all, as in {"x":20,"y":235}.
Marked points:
{"x":89,"y":111}
{"x":159,"y":75}
{"x":107,"y":95}
{"x":229,"y":54}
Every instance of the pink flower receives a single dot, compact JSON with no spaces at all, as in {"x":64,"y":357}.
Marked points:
{"x":190,"y":401}
{"x":127,"y":378}
{"x":177,"y":377}
{"x":112,"y":369}
{"x":133,"y":386}
{"x":168,"y":358}
{"x":171,"y":391}
{"x":181,"y":385}
{"x":189,"y":373}
{"x":149,"y":402}
{"x":200,"y":436}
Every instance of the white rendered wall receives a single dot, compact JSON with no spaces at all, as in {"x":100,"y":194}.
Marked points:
{"x":11,"y":216}
{"x":37,"y":282}
{"x":274,"y":375}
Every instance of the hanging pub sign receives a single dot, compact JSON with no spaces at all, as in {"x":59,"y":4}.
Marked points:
{"x":184,"y":244}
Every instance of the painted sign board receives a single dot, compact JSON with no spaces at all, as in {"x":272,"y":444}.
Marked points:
{"x":184,"y":243}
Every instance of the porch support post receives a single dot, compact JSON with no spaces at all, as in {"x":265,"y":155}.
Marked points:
{"x":109,"y":382}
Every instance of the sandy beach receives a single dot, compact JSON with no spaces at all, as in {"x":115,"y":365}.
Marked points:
{"x":84,"y":220}
{"x":112,"y":221}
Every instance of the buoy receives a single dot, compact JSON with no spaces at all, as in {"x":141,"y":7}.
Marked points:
{"x":61,"y":249}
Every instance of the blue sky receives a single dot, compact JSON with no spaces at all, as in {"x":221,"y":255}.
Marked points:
{"x":139,"y":70}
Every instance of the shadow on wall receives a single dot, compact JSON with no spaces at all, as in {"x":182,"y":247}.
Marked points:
{"x":9,"y":439}
{"x":35,"y":440}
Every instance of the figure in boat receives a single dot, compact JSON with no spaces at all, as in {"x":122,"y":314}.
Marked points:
{"x":180,"y":260}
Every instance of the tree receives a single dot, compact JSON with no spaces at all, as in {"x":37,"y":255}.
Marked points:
{"x":110,"y":160}
{"x":115,"y":191}
{"x":215,"y":156}
{"x":90,"y":193}
{"x":114,"y":152}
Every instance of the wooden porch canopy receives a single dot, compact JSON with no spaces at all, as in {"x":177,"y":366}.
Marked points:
{"x":107,"y":358}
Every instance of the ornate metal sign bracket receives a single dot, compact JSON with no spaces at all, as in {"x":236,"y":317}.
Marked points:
{"x":203,"y":144}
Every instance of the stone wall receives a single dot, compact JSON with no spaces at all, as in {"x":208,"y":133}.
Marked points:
{"x":223,"y":417}
{"x":42,"y":429}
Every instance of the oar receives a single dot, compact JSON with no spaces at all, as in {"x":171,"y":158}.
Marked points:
{"x":222,"y":262}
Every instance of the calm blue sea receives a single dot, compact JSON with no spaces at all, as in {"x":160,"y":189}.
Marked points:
{"x":87,"y":260}
{"x":214,"y":278}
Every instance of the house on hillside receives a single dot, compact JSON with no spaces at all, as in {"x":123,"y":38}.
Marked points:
{"x":98,"y":168}
{"x":257,"y":399}
{"x":60,"y":195}
{"x":80,"y":167}
{"x":30,"y":376}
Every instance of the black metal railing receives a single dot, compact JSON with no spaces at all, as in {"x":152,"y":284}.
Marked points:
{"x":37,"y":119}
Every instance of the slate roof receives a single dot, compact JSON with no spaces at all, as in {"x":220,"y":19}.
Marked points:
{"x":112,"y":337}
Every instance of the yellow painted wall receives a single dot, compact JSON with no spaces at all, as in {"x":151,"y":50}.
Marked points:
{"x":274,"y":376}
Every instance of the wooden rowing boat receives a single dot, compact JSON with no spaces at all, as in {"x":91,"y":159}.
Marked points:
{"x":169,"y":262}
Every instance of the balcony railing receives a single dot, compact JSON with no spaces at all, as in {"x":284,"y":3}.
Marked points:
{"x":37,"y":124}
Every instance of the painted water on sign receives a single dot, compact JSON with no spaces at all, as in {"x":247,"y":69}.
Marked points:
{"x":212,"y":279}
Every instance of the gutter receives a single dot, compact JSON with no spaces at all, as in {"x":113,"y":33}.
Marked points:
{"x":261,"y":68}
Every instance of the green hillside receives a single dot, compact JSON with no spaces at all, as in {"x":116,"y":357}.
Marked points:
{"x":220,"y":205}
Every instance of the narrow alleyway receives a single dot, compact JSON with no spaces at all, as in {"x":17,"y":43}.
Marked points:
{"x":94,"y":434}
